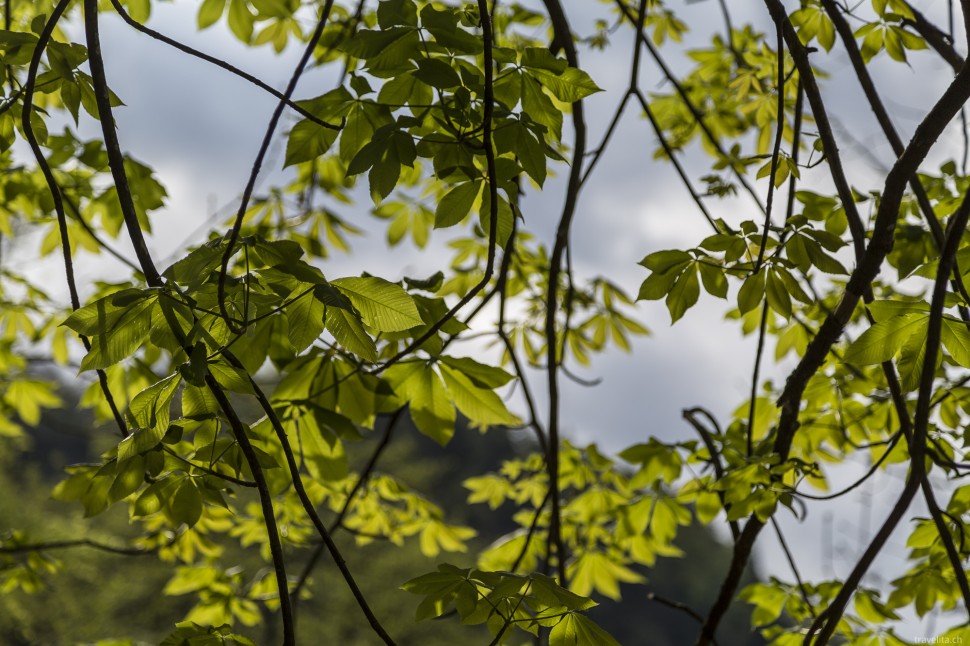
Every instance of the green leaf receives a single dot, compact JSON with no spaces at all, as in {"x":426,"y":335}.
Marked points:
{"x":572,"y":85}
{"x":480,"y":405}
{"x":430,"y":284}
{"x":397,"y":12}
{"x":150,"y":500}
{"x":956,"y":340}
{"x":751,"y":292}
{"x":437,"y":73}
{"x":532,"y":154}
{"x":442,"y":23}
{"x":683,"y":295}
{"x":150,"y":411}
{"x":579,"y":630}
{"x":540,"y":58}
{"x":324,"y":454}
{"x":383,"y":305}
{"x":198,"y":402}
{"x":778,"y":298}
{"x":503,"y":230}
{"x":128,"y":479}
{"x":538,"y":106}
{"x":210,"y":12}
{"x":883,"y":340}
{"x":115,"y":331}
{"x":194,"y":268}
{"x":548,"y":591}
{"x":713,"y":279}
{"x":231,"y":378}
{"x":28,"y":396}
{"x":368,"y":43}
{"x":912,"y":358}
{"x":71,"y":96}
{"x":661,"y":262}
{"x":457,"y":204}
{"x":482,"y":375}
{"x":307,"y":141}
{"x":304,"y":318}
{"x":870,"y":609}
{"x":241,"y":20}
{"x":186,"y":506}
{"x":439,"y":589}
{"x":597,"y":571}
{"x":657,"y":286}
{"x":431,"y":410}
{"x":348,"y":331}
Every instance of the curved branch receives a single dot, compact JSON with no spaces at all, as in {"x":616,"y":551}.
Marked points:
{"x":936,"y":38}
{"x":362,"y":480}
{"x":885,"y":122}
{"x":308,"y":506}
{"x":77,"y":542}
{"x":860,"y":481}
{"x":113,"y":146}
{"x":563,"y":38}
{"x":258,"y":163}
{"x":689,"y":415}
{"x":266,"y":505}
{"x":488,"y":109}
{"x":695,"y":112}
{"x":57,"y":196}
{"x":791,"y":564}
{"x":218,"y":62}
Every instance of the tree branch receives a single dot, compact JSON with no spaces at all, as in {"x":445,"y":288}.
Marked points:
{"x":218,"y":62}
{"x":563,"y":37}
{"x":56,"y":194}
{"x":258,"y":163}
{"x":865,"y":271}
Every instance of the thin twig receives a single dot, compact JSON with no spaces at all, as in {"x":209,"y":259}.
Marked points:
{"x":337,"y":523}
{"x":690,"y":415}
{"x":260,"y":156}
{"x":531,"y":532}
{"x":212,"y":472}
{"x":875,"y":467}
{"x":563,"y":36}
{"x":678,"y":605}
{"x":488,"y":99}
{"x":218,"y":62}
{"x":308,"y":506}
{"x":791,"y":564}
{"x":695,"y":112}
{"x":57,"y":196}
{"x":78,"y":542}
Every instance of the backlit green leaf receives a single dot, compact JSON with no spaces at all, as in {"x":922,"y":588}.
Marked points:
{"x":883,"y":340}
{"x":383,"y":305}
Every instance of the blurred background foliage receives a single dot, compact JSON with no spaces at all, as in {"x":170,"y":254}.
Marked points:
{"x":98,"y":596}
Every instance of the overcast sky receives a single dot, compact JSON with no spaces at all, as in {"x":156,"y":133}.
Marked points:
{"x":200,"y":128}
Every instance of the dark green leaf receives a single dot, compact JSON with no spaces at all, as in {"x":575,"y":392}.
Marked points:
{"x":683,"y":295}
{"x":186,"y":506}
{"x":456,"y":204}
{"x":307,"y":141}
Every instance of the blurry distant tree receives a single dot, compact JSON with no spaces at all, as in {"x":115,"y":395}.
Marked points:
{"x":455,"y":111}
